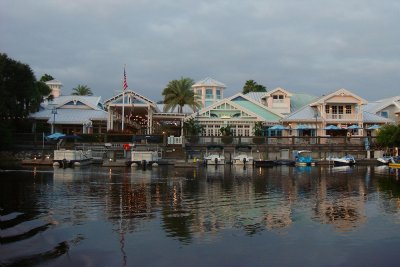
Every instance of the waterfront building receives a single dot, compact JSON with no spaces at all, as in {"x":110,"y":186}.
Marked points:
{"x":209,"y":91}
{"x":71,"y":115}
{"x":142,"y":115}
{"x":387,"y":107}
{"x":339,"y":113}
{"x":55,"y":86}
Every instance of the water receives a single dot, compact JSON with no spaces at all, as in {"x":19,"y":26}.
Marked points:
{"x":224,"y":216}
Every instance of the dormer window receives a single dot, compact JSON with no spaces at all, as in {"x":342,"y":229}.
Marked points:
{"x":278,"y":98}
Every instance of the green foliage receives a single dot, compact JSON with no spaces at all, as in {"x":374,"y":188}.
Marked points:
{"x":20,"y":93}
{"x":389,"y":136}
{"x":46,"y":77}
{"x":252,"y":86}
{"x":179,"y":93}
{"x":192,"y":127}
{"x":226,"y":130}
{"x":82,"y":90}
{"x":258,"y":128}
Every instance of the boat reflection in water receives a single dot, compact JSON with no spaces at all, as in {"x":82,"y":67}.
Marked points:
{"x":98,"y":216}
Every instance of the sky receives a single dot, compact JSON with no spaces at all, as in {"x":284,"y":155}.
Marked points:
{"x":304,"y":46}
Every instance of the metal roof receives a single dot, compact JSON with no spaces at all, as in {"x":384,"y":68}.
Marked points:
{"x":209,"y":82}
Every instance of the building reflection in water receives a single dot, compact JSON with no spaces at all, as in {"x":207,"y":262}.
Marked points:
{"x":192,"y":203}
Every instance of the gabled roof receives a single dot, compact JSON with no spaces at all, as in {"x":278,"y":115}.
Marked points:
{"x":297,"y":100}
{"x":70,"y":116}
{"x":243,"y":103}
{"x":277,"y":90}
{"x":57,"y":82}
{"x":117,"y":99}
{"x":306,"y":113}
{"x":209,"y":82}
{"x":339,"y":92}
{"x":373,"y":118}
{"x":90,"y":101}
{"x":378,"y":105}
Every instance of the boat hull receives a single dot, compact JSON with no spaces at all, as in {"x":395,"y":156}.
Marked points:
{"x":394,"y":165}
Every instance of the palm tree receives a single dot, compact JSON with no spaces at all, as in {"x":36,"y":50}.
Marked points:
{"x":252,"y":86}
{"x":180,"y":93}
{"x":82,"y":90}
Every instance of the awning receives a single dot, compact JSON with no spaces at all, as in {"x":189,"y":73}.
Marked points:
{"x":278,"y":127}
{"x":374,"y":127}
{"x":353,"y":127}
{"x":305,"y":127}
{"x":332,"y":127}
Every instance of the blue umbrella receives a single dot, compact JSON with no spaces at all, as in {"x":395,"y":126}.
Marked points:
{"x":278,"y":127}
{"x":331,"y":127}
{"x":303,"y":127}
{"x":373,"y":127}
{"x":55,"y":136}
{"x":353,"y":127}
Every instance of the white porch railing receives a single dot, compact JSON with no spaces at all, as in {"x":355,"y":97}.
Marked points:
{"x":174,"y":140}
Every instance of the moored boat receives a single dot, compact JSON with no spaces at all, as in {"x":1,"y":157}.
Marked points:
{"x":304,"y":158}
{"x":345,"y":160}
{"x":385,"y":160}
{"x":243,"y":156}
{"x":214,"y":156}
{"x":72,"y":158}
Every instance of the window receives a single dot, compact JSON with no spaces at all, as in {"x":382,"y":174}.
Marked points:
{"x":340,"y":109}
{"x":327,"y":109}
{"x":385,"y":114}
{"x":348,"y":109}
{"x":209,"y":93}
{"x":218,"y":91}
{"x":334,"y":110}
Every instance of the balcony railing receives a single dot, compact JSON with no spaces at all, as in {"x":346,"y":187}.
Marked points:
{"x":342,"y":116}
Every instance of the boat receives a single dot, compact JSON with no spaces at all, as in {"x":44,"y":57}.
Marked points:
{"x":65,"y":158}
{"x":394,"y":165}
{"x":243,"y":156}
{"x":342,"y":161}
{"x":143,"y":158}
{"x":214,"y":156}
{"x":303,"y":158}
{"x":395,"y":162}
{"x":385,"y":160}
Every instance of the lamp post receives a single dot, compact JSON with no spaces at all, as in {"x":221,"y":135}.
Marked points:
{"x":54,"y":112}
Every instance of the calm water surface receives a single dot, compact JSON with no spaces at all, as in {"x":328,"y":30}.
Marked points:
{"x":224,"y":216}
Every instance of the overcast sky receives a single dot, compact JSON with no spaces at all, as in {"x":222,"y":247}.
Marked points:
{"x":304,"y":46}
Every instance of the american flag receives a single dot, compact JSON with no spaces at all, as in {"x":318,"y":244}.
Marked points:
{"x":125,"y":82}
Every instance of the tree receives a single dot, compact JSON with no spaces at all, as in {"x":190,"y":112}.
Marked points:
{"x":389,"y":136}
{"x":179,"y":93}
{"x":192,"y":127}
{"x":82,"y":90}
{"x":252,"y":86}
{"x":20,"y":93}
{"x":46,"y":77}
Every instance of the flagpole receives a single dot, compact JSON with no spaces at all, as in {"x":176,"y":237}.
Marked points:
{"x":125,"y":85}
{"x":123,"y":108}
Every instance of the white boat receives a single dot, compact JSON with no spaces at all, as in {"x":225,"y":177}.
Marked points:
{"x":214,"y":159}
{"x":143,"y":158}
{"x":345,"y":160}
{"x":243,"y":156}
{"x":72,"y":158}
{"x":243,"y":159}
{"x":385,"y":160}
{"x":214,"y":156}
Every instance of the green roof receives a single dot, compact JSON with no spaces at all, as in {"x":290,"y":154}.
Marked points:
{"x":300,"y":100}
{"x":260,"y":111}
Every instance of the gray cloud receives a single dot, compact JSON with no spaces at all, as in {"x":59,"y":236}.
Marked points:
{"x":305,"y":46}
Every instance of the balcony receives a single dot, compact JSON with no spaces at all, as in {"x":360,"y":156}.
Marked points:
{"x":349,"y":117}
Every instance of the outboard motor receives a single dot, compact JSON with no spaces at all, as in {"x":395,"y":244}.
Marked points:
{"x":216,"y":160}
{"x":244,"y":161}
